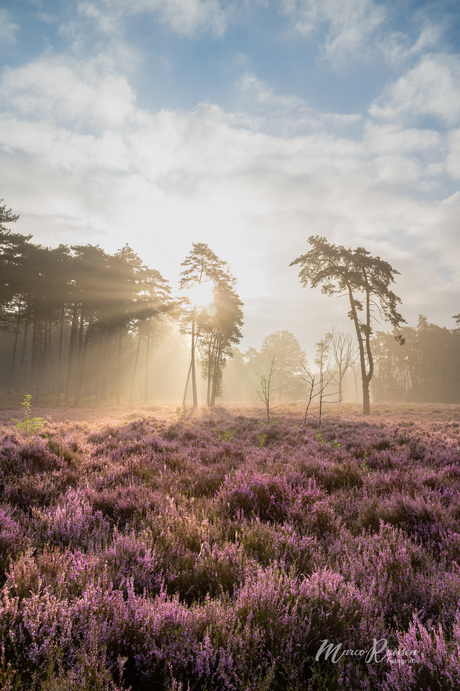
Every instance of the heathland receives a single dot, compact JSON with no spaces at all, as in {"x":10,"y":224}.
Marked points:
{"x":165,"y":549}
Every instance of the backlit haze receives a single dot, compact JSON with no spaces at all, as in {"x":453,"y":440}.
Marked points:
{"x":248,"y":125}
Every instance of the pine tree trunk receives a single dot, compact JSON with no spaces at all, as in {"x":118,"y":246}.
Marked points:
{"x":37,"y":346}
{"x":119,"y":367}
{"x":81,"y":368}
{"x":71,"y":358}
{"x":59,"y":362}
{"x":21,"y":377}
{"x":147,"y":366}
{"x":195,"y":397}
{"x":366,"y":397}
{"x":13,"y":357}
{"x":186,"y":385}
{"x":135,"y":368}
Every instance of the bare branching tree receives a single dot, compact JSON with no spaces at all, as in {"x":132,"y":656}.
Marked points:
{"x":345,"y":352}
{"x":316,"y":388}
{"x":266,"y":389}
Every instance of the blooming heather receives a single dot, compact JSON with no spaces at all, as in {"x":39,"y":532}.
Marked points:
{"x":217,"y":552}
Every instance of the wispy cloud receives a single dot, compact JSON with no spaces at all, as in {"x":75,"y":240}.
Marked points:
{"x":288,"y":114}
{"x":8,"y":29}
{"x":61,"y":89}
{"x":190,"y":18}
{"x":346,"y":27}
{"x":431,"y":88}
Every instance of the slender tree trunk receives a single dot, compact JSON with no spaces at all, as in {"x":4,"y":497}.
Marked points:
{"x":147,"y":365}
{"x":195,"y":396}
{"x":370,"y":360}
{"x":135,"y":367}
{"x":46,"y":356}
{"x":341,"y":375}
{"x":362,"y":358}
{"x":104,"y":351}
{"x":216,"y":375}
{"x":119,"y":366}
{"x":208,"y":391}
{"x":81,"y":373}
{"x":186,"y":385}
{"x":321,"y":389}
{"x":71,"y":358}
{"x":366,"y":398}
{"x":59,"y":362}
{"x":36,"y":357}
{"x":21,"y":383}
{"x":79,"y":353}
{"x":13,"y":357}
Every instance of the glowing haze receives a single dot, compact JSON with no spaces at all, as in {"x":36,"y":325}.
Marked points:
{"x":245,"y":124}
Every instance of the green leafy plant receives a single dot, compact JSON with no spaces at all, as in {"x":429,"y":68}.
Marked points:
{"x":333,"y":444}
{"x":319,"y":436}
{"x":364,"y":466}
{"x":226,"y":436}
{"x":27,"y":424}
{"x":183,"y":412}
{"x":262,"y":440}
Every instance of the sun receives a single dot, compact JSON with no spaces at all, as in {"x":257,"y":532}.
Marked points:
{"x":201,"y":294}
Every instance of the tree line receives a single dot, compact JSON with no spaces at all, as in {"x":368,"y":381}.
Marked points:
{"x":81,"y":320}
{"x":426,"y":370}
{"x":78,"y":323}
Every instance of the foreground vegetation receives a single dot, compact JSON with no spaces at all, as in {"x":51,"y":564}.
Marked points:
{"x":157,"y":550}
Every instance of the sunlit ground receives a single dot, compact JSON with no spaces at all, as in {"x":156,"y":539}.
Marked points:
{"x":11,"y":408}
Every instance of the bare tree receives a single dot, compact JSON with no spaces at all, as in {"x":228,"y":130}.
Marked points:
{"x":265,"y":392}
{"x":325,"y":377}
{"x":345,"y":353}
{"x":315,"y":388}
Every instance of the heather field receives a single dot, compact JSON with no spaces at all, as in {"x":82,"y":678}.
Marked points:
{"x":158,"y":550}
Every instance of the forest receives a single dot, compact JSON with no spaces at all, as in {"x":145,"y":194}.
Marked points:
{"x":79,"y":326}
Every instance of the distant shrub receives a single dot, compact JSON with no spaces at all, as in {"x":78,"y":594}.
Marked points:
{"x":26,"y":456}
{"x":71,"y":522}
{"x":131,"y":560}
{"x":123,"y":504}
{"x":281,"y":544}
{"x":257,"y":494}
{"x":12,"y":539}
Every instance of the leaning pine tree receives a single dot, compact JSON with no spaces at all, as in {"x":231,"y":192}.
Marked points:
{"x":365,"y":280}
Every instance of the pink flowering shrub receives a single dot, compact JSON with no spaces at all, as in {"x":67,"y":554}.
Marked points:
{"x":216,"y":552}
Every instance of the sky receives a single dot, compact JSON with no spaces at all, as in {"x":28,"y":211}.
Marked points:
{"x":249,"y":125}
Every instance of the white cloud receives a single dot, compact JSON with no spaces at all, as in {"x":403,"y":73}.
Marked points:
{"x":46,"y":17}
{"x":431,"y":88}
{"x":288,"y":113}
{"x":61,"y":89}
{"x":398,"y":48}
{"x":453,"y":159}
{"x":185,"y":17}
{"x":350,"y":25}
{"x":87,"y":164}
{"x":8,"y":29}
{"x":394,"y":139}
